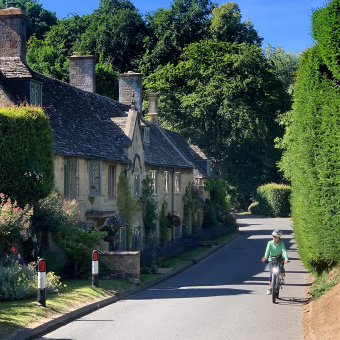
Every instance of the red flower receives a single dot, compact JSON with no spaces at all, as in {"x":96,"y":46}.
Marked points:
{"x":14,"y":250}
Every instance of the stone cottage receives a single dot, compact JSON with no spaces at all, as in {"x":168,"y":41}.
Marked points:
{"x":96,"y":138}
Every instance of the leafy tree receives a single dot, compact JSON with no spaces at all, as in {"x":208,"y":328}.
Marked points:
{"x":39,"y":20}
{"x":170,"y":30}
{"x":224,"y":98}
{"x":115,"y":34}
{"x":226,"y":25}
{"x":284,"y":65}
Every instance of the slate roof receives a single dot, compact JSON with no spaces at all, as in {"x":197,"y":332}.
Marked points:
{"x":192,"y":152}
{"x":81,"y":121}
{"x":161,"y":151}
{"x":13,"y":67}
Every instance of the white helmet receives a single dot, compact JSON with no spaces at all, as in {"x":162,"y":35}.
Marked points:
{"x":277,"y":233}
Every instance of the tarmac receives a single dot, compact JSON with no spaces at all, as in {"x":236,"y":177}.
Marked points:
{"x":31,"y":333}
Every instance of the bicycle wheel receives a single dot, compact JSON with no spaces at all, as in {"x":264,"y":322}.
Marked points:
{"x":274,"y":287}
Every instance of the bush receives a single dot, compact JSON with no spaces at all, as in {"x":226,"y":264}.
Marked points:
{"x":26,"y":158}
{"x":254,"y":208}
{"x":55,"y":260}
{"x":20,"y":281}
{"x":274,"y":199}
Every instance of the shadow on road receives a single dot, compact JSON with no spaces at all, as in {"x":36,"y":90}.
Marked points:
{"x":235,"y":269}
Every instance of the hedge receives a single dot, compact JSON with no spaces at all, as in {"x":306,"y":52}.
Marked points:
{"x":274,"y":199}
{"x":312,"y":145}
{"x":26,"y":157}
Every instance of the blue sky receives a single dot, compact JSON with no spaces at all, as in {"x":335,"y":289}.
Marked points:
{"x":285,"y":23}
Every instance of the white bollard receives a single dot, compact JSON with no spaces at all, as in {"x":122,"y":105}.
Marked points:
{"x":42,"y":282}
{"x":95,"y":269}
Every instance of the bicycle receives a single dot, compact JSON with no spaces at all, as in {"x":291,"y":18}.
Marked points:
{"x":277,"y":282}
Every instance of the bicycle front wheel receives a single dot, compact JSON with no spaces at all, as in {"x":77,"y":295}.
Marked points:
{"x":274,"y":287}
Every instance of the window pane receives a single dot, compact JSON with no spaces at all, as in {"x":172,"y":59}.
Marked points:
{"x":71,"y":177}
{"x":154,"y":180}
{"x":32,"y":94}
{"x":177,"y":182}
{"x":166,"y":182}
{"x":136,"y":185}
{"x":94,"y":177}
{"x":111,"y":181}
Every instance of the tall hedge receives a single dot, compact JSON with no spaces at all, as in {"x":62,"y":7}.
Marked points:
{"x":312,"y":144}
{"x":26,"y":154}
{"x":274,"y":199}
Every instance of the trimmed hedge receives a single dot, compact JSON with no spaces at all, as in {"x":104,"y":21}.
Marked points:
{"x":26,"y":157}
{"x":312,"y":156}
{"x":274,"y":199}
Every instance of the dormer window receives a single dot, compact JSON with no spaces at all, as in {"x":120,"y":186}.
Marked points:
{"x":35,"y":94}
{"x":146,"y":134}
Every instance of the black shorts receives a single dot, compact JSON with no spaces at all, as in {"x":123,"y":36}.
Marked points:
{"x":281,"y":269}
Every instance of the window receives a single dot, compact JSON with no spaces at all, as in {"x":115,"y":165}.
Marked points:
{"x":166,"y":181}
{"x":71,"y":174}
{"x":177,"y":182}
{"x":35,"y":95}
{"x":94,"y":177}
{"x":153,"y":175}
{"x":136,"y":185}
{"x":111,"y":181}
{"x":146,"y":134}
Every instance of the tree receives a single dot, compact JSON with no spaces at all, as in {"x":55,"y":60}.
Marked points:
{"x":39,"y":20}
{"x":226,"y":25}
{"x":224,"y":98}
{"x":284,"y":65}
{"x":170,"y":30}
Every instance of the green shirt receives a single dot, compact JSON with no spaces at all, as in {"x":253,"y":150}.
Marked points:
{"x":275,"y":250}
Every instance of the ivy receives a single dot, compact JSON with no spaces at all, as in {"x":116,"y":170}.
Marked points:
{"x":149,"y":208}
{"x":190,"y":205}
{"x":127,"y":205}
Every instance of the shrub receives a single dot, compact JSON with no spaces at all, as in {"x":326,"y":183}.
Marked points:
{"x":274,"y":199}
{"x":78,"y":245}
{"x":14,"y":223}
{"x":20,"y":281}
{"x":26,"y":158}
{"x":55,"y":260}
{"x":254,"y":208}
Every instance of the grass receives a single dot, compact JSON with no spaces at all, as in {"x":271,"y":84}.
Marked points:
{"x":326,"y":281}
{"x":16,"y":315}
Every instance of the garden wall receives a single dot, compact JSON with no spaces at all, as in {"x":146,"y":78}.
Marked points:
{"x":121,"y":264}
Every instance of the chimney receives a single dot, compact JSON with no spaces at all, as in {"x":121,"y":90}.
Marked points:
{"x":13,"y":22}
{"x":82,"y":72}
{"x":153,"y":108}
{"x":130,"y":83}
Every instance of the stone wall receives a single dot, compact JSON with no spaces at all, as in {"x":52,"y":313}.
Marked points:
{"x":121,"y":264}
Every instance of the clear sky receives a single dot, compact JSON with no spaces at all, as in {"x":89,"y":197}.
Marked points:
{"x":285,"y":23}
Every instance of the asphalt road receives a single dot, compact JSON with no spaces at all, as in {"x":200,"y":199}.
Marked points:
{"x":222,"y":297}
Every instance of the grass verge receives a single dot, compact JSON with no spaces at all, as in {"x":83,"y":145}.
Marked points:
{"x":17,"y":315}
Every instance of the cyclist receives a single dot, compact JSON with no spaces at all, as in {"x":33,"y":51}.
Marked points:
{"x":275,"y":248}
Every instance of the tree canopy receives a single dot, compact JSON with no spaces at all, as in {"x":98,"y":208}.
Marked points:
{"x":225,"y":98}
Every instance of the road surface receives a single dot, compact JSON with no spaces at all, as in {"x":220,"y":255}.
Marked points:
{"x":221,"y":297}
